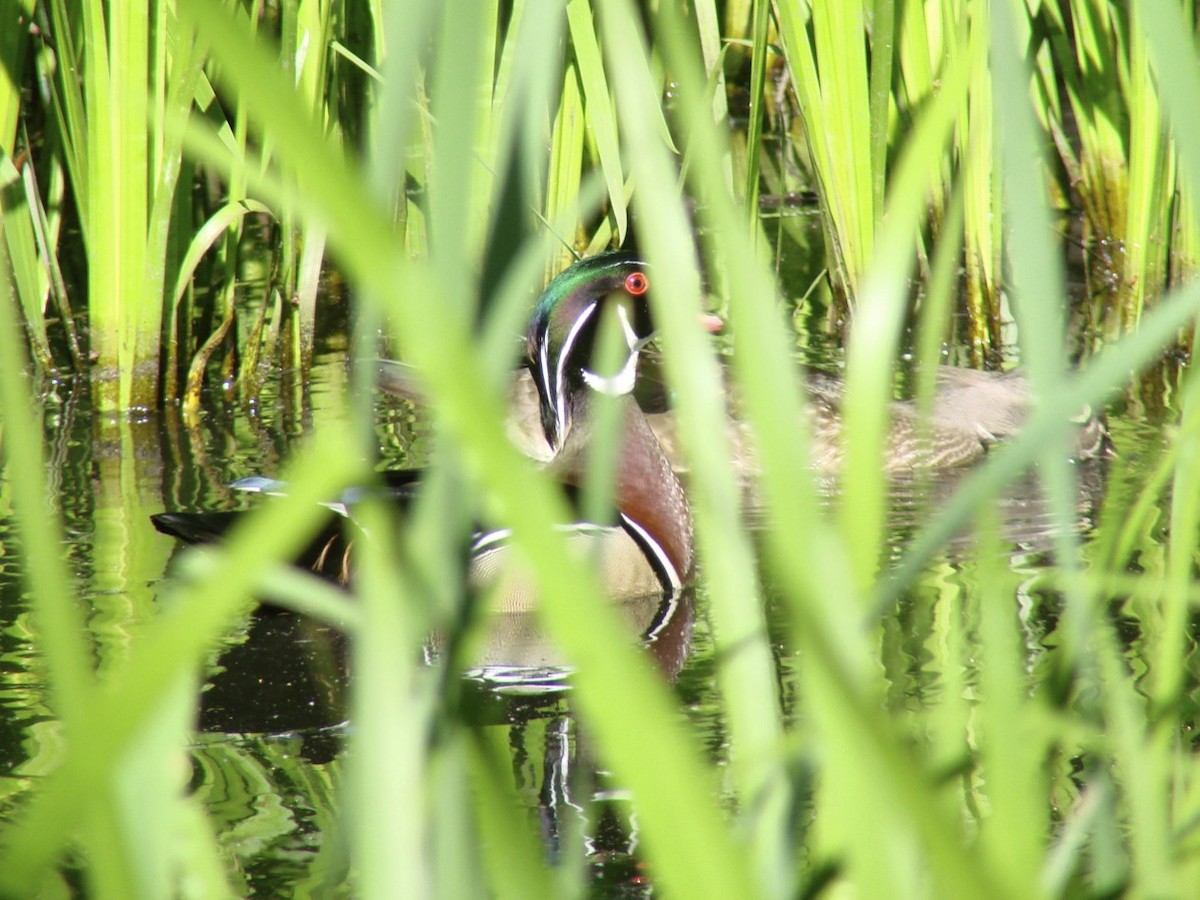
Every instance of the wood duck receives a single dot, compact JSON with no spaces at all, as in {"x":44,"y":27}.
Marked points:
{"x":645,"y":548}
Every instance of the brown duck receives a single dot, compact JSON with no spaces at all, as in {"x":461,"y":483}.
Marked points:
{"x":644,"y":548}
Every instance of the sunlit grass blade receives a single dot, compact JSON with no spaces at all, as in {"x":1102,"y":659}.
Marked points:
{"x":875,"y":341}
{"x":1172,"y":643}
{"x":712,"y":54}
{"x":1093,"y":80}
{"x":512,"y":855}
{"x":169,"y":223}
{"x":1037,"y":285}
{"x":388,"y":752}
{"x":983,"y":209}
{"x":1172,"y":50}
{"x":563,"y":180}
{"x":68,"y":657}
{"x":392,"y":706}
{"x":883,"y":53}
{"x":19,"y":257}
{"x":1104,"y":375}
{"x":13,"y":50}
{"x":601,"y":119}
{"x":1150,"y":176}
{"x":1185,"y":245}
{"x":754,"y":128}
{"x":1015,"y":743}
{"x":830,"y":77}
{"x":123,"y":320}
{"x":47,"y":228}
{"x":457,"y":209}
{"x":1142,"y":769}
{"x":66,"y":99}
{"x":935,"y":325}
{"x":725,"y":552}
{"x":104,"y":720}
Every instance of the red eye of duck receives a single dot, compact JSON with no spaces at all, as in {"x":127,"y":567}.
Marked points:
{"x":636,"y":284}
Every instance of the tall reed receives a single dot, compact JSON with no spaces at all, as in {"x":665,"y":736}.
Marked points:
{"x":855,"y":101}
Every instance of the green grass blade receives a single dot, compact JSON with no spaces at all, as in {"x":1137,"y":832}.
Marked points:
{"x":566,"y":163}
{"x":208,"y":235}
{"x":1104,"y":375}
{"x":875,"y":340}
{"x":104,"y":720}
{"x":20,"y":256}
{"x":754,"y":128}
{"x":1014,"y":747}
{"x":883,"y":28}
{"x":602,"y":121}
{"x":67,"y":653}
{"x":725,"y":552}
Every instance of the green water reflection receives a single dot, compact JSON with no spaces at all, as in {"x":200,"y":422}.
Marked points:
{"x":267,"y":758}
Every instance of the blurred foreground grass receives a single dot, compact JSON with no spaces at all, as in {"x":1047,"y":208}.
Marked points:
{"x":491,"y":139}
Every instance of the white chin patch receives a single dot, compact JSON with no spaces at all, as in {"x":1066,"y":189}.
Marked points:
{"x":616,"y":385}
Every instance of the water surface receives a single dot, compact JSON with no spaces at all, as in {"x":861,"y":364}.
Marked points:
{"x":267,"y":754}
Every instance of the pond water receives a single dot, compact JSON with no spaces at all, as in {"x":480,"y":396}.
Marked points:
{"x":268,"y":751}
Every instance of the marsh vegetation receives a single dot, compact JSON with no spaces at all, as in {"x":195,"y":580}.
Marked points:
{"x":209,"y":209}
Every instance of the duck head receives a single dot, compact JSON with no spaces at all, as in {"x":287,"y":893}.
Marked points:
{"x":563,"y":334}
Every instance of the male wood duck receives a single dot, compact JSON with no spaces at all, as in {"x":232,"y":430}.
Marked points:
{"x":971,"y":411}
{"x":646,"y":547}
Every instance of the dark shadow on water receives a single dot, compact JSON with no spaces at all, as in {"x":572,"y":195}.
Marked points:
{"x":288,"y":675}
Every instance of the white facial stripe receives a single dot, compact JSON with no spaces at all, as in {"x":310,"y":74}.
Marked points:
{"x":560,"y":393}
{"x":631,"y":338}
{"x":647,"y":542}
{"x":543,"y":360}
